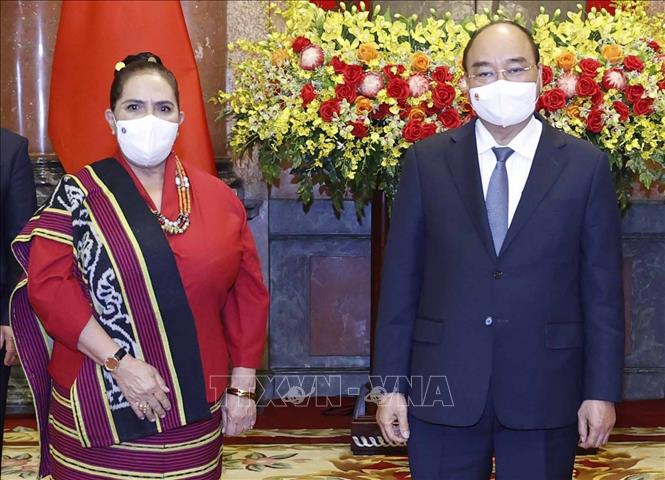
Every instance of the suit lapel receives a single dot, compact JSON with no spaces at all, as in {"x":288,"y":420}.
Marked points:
{"x":463,"y":164}
{"x":547,"y":165}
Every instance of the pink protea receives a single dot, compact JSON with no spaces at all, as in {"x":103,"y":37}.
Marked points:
{"x":568,"y":83}
{"x":371,"y":84}
{"x":311,"y":57}
{"x":614,"y":78}
{"x":418,"y":85}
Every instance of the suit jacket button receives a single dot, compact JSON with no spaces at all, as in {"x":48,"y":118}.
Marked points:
{"x":489,"y":321}
{"x":498,"y":274}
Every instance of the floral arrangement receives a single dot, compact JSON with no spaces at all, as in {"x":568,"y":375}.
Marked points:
{"x":336,"y":97}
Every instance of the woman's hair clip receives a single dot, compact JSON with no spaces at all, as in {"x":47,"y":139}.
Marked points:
{"x":119,"y":66}
{"x":152,"y":59}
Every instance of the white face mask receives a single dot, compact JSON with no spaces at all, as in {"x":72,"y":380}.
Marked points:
{"x":504,"y":103}
{"x":146,"y":141}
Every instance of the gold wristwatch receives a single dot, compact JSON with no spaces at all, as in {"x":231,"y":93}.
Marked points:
{"x":112,"y":362}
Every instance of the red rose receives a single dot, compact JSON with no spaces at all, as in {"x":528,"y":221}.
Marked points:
{"x":586,"y":86}
{"x":661,"y":85}
{"x":553,"y":100}
{"x":404,"y":112}
{"x":597,"y":98}
{"x":344,"y":91}
{"x":622,"y":109}
{"x":388,"y":71}
{"x":413,"y":131}
{"x":643,"y":106}
{"x":633,"y":63}
{"x":547,"y":75}
{"x":307,"y":94}
{"x":381,"y":112}
{"x":300,"y":43}
{"x":634,"y":93}
{"x":353,"y":74}
{"x":429,"y":129}
{"x":443,"y":95}
{"x":398,"y":89}
{"x":328,"y":109}
{"x":589,"y":66}
{"x":539,"y":104}
{"x":450,"y":118}
{"x":653,"y":45}
{"x":595,"y":121}
{"x":442,"y":74}
{"x":338,"y":65}
{"x":360,"y":130}
{"x":427,"y":109}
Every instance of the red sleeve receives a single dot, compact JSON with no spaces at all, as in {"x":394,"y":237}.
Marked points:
{"x":55,"y":293}
{"x":246,"y":310}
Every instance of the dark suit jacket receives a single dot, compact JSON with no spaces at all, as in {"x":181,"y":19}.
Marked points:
{"x":542,"y":321}
{"x":17,"y":192}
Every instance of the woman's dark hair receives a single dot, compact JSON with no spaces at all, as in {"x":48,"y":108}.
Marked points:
{"x":140,"y":62}
{"x":525,"y":31}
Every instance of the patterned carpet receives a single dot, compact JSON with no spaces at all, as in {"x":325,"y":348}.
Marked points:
{"x":319,"y":450}
{"x":323,"y":454}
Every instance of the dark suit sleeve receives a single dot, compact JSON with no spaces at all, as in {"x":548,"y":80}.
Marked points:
{"x":602,"y":291}
{"x":20,"y":204}
{"x":401,"y":282}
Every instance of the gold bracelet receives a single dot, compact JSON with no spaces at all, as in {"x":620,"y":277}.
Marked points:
{"x":241,"y":393}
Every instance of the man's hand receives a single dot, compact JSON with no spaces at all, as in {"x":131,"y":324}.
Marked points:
{"x":595,"y":421}
{"x":391,"y":417}
{"x":7,"y":341}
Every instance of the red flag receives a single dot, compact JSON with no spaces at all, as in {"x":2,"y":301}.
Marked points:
{"x":92,"y":37}
{"x":334,"y":4}
{"x":606,"y":4}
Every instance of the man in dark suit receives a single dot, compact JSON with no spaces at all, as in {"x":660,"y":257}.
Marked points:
{"x":17,"y":192}
{"x":501,"y":311}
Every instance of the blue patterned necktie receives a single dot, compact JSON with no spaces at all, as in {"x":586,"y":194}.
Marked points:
{"x":497,"y":197}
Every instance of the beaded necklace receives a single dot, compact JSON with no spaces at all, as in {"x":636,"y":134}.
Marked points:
{"x":181,"y":223}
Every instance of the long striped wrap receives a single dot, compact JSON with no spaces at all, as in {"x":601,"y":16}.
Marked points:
{"x":128,"y":272}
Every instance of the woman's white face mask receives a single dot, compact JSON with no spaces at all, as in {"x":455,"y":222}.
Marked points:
{"x":146,"y":141}
{"x":504,"y":103}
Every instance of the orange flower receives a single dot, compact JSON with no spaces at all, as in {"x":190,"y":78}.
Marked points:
{"x":279,"y":57}
{"x":566,"y":60}
{"x":363,"y":105}
{"x":612,"y":53}
{"x":419,"y":62}
{"x":367,"y":52}
{"x":416,"y":114}
{"x":573,"y":111}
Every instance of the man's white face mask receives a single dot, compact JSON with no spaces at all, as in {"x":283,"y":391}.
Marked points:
{"x":146,"y":141}
{"x":504,"y":103}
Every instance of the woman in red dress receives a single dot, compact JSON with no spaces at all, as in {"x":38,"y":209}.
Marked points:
{"x":143,"y":276}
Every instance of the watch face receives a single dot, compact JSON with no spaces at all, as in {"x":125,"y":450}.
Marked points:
{"x":111,"y":364}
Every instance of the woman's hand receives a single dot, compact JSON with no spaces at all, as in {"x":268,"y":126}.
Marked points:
{"x":142,"y":386}
{"x":7,"y":342}
{"x":238,"y":414}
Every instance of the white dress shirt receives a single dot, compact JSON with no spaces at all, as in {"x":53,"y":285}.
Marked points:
{"x":518,"y":164}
